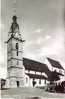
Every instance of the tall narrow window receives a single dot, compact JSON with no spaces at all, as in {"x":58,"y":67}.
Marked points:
{"x":17,"y":83}
{"x":17,"y":62}
{"x":17,"y":53}
{"x":39,"y":81}
{"x":17,"y":47}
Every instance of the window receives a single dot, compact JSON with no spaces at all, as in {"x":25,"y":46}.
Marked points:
{"x":17,"y":83}
{"x":17,"y":47}
{"x":60,"y":71}
{"x":39,"y":81}
{"x":17,"y":53}
{"x":17,"y":62}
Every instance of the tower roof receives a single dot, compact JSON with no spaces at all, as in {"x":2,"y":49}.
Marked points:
{"x":14,"y":26}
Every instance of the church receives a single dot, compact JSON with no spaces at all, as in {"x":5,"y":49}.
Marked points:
{"x":23,"y":72}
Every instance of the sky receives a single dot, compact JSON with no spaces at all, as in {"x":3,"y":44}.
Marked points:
{"x":41,"y":25}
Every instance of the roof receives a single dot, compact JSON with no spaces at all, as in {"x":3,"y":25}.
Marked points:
{"x":60,"y":74}
{"x":36,"y":66}
{"x":36,"y":76}
{"x":55,"y":63}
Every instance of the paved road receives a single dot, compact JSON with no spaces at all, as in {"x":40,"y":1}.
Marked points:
{"x":30,"y":93}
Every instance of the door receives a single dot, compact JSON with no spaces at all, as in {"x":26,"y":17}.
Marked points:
{"x":17,"y":83}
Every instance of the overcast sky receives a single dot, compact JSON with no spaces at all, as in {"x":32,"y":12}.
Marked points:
{"x":42,"y":26}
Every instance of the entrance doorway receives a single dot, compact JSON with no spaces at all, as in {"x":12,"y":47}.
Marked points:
{"x":17,"y":83}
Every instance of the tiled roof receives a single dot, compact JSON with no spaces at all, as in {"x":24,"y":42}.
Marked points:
{"x":55,"y":63}
{"x":36,"y":66}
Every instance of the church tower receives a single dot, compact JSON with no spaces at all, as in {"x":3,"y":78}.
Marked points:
{"x":15,"y":68}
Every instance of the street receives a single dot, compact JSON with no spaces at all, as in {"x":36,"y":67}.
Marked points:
{"x":30,"y":93}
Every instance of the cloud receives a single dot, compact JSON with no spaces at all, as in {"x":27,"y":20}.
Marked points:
{"x":39,"y":40}
{"x":45,"y":46}
{"x":38,"y":30}
{"x":54,"y":48}
{"x":47,"y":37}
{"x":29,"y":55}
{"x":42,"y":39}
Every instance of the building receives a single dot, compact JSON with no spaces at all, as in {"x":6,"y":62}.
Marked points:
{"x":56,"y":66}
{"x":23,"y":72}
{"x":36,"y":71}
